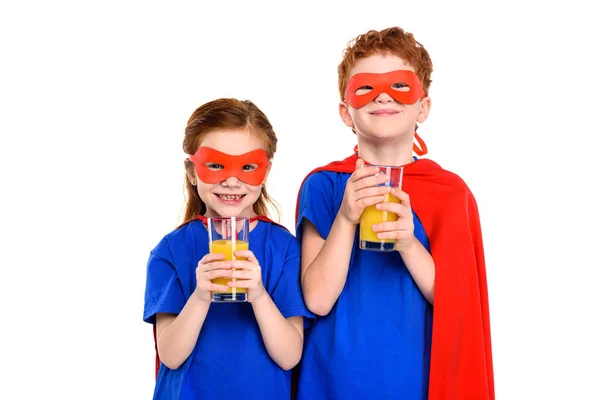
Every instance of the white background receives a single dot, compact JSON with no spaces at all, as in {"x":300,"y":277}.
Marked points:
{"x":94,"y":97}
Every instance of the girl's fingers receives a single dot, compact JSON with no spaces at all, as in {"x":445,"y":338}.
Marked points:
{"x":213,"y":287}
{"x":242,"y":264}
{"x":248,"y":255}
{"x":210,"y":257}
{"x":242,"y":283}
{"x":242,"y":274}
{"x":218,"y":273}
{"x":215,"y":265}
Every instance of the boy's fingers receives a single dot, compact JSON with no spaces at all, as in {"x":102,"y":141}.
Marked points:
{"x":359,"y":163}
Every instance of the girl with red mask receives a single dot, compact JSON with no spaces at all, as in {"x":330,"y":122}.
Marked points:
{"x":213,"y":350}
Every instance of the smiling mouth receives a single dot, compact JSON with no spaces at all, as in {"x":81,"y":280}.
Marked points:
{"x":384,"y":113}
{"x":230,"y":197}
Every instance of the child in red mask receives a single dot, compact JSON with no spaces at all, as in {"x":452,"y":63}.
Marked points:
{"x":412,"y":323}
{"x":242,"y":350}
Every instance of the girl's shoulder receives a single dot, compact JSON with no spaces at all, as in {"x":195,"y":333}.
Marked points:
{"x":275,"y":233}
{"x":181,"y":237}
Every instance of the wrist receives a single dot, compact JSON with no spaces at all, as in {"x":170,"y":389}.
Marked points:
{"x":202,"y":297}
{"x":345,"y":221}
{"x":406,"y":248}
{"x":261,"y":300}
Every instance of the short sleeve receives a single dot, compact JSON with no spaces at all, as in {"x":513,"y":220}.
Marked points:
{"x":287,"y":294}
{"x":164,"y":292}
{"x":316,"y":204}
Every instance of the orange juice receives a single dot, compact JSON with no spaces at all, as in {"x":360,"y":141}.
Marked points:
{"x":372,"y":216}
{"x":226,"y":247}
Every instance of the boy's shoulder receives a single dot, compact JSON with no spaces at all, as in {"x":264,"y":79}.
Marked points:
{"x":323,"y":176}
{"x":329,"y":174}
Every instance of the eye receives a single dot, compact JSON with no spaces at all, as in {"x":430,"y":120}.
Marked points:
{"x":363,"y":90}
{"x":249,"y":167}
{"x":400,"y":87}
{"x":214,"y":166}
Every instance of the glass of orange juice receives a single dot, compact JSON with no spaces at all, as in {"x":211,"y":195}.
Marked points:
{"x":368,"y":239}
{"x":226,"y":236}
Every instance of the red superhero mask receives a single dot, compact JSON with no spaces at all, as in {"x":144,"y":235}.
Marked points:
{"x":383,"y":83}
{"x":229,"y":165}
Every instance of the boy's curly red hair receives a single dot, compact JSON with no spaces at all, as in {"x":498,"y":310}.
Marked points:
{"x":394,"y":41}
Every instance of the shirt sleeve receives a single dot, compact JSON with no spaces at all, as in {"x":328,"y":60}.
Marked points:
{"x":316,"y":204}
{"x":287,"y":294}
{"x":164,"y":292}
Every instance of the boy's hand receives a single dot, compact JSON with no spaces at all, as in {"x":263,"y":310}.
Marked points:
{"x":403,"y":229}
{"x":248,"y":275}
{"x":362,"y":190}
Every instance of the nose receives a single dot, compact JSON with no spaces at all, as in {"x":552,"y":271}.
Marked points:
{"x":232,"y":181}
{"x":384,"y":98}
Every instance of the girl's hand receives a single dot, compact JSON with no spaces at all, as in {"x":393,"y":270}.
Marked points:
{"x":403,"y":229}
{"x":248,"y":275}
{"x":362,"y":190}
{"x":211,"y":267}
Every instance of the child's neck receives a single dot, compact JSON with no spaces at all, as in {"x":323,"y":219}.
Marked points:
{"x":398,"y":153}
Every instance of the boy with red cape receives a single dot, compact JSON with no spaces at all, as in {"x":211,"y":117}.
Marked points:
{"x":411,"y":323}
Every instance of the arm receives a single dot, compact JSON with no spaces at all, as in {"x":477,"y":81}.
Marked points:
{"x":283,"y":338}
{"x":176,"y":335}
{"x":420,"y":264}
{"x":417,"y":259}
{"x":325,"y":263}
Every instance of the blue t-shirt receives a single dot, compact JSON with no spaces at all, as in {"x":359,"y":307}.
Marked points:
{"x":375,"y":342}
{"x":230,"y":360}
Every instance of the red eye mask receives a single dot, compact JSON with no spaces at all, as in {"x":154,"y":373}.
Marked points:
{"x":230,"y":166}
{"x":383,"y":83}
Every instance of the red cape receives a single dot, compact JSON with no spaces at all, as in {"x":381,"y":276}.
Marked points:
{"x":203,"y":219}
{"x":461,"y":352}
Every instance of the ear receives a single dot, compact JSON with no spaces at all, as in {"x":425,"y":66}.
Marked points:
{"x":424,"y":109}
{"x":190,"y":173}
{"x":345,"y":115}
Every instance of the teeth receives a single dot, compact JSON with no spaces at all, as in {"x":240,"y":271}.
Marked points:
{"x":229,"y":197}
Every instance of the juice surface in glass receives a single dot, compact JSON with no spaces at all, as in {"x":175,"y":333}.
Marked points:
{"x":372,"y":216}
{"x":225,"y":247}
